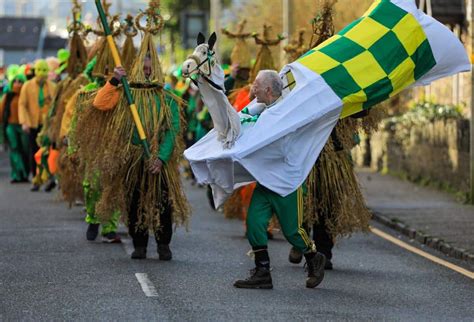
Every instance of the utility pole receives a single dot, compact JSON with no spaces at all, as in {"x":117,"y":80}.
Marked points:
{"x":120,"y":7}
{"x":216,"y":11}
{"x":286,"y":28}
{"x":20,"y":8}
{"x":470,"y":17}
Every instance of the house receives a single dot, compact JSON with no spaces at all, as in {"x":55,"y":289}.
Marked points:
{"x":449,"y":12}
{"x":25,"y":39}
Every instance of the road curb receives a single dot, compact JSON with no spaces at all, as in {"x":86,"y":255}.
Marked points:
{"x":433,"y":242}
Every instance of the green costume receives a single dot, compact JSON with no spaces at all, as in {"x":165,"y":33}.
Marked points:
{"x":91,"y":196}
{"x":18,"y":143}
{"x":15,"y":137}
{"x":289,"y":211}
{"x":191,"y":118}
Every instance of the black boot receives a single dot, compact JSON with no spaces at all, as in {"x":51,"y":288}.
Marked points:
{"x":328,"y":265}
{"x":295,"y":256}
{"x":315,"y":265}
{"x":139,"y":253}
{"x":50,"y":185}
{"x":164,"y":252}
{"x":260,"y":277}
{"x":92,"y":232}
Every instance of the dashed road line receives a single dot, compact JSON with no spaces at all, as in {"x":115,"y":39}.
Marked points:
{"x":419,"y":252}
{"x":147,"y":285}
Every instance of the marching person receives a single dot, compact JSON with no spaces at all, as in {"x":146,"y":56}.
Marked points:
{"x":148,"y":190}
{"x":17,"y":140}
{"x":267,"y":88}
{"x":35,"y":100}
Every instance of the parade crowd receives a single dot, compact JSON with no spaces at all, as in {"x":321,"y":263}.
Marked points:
{"x":66,"y":124}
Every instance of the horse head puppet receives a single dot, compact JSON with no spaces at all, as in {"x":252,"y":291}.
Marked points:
{"x":202,"y":62}
{"x":203,"y":59}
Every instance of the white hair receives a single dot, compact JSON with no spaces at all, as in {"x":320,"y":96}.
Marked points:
{"x":271,"y":79}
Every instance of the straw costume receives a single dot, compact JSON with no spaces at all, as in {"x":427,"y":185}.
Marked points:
{"x":240,"y":58}
{"x":64,"y":107}
{"x":297,"y":47}
{"x":264,"y":55}
{"x":128,"y":51}
{"x":88,"y":127}
{"x":334,"y":204}
{"x":152,"y":201}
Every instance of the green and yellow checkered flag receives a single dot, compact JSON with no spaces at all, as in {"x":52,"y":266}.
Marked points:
{"x":373,"y":58}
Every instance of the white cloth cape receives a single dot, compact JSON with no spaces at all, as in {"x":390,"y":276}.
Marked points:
{"x":279,"y":150}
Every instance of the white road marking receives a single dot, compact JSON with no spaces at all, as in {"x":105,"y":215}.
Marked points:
{"x":417,"y":251}
{"x":147,"y":285}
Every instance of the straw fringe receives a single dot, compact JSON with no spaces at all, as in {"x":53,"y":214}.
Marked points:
{"x":105,"y":62}
{"x":263,"y":61}
{"x":333,"y":189}
{"x":241,"y":53}
{"x":78,"y":58}
{"x":123,"y":168}
{"x":128,"y":52}
{"x":66,"y":89}
{"x":147,"y":48}
{"x":50,"y":127}
{"x":70,"y":177}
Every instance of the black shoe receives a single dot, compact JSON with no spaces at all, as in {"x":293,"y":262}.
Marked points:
{"x":164,"y":252}
{"x":35,"y":188}
{"x":295,"y":256}
{"x":260,"y":278}
{"x":315,"y":265}
{"x":92,"y":232}
{"x":50,"y":185}
{"x":111,"y":238}
{"x":328,"y":265}
{"x":139,"y":253}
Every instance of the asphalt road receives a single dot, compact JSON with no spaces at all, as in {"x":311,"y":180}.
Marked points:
{"x":48,"y":271}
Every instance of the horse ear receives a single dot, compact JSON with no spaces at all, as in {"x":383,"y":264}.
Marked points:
{"x":201,"y":39}
{"x":212,"y":40}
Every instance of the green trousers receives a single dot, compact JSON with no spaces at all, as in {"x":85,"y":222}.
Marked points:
{"x":91,"y":197}
{"x":289,"y":211}
{"x":18,"y":143}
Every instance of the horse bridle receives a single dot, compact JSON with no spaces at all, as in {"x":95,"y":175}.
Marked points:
{"x":210,"y":54}
{"x":195,"y":58}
